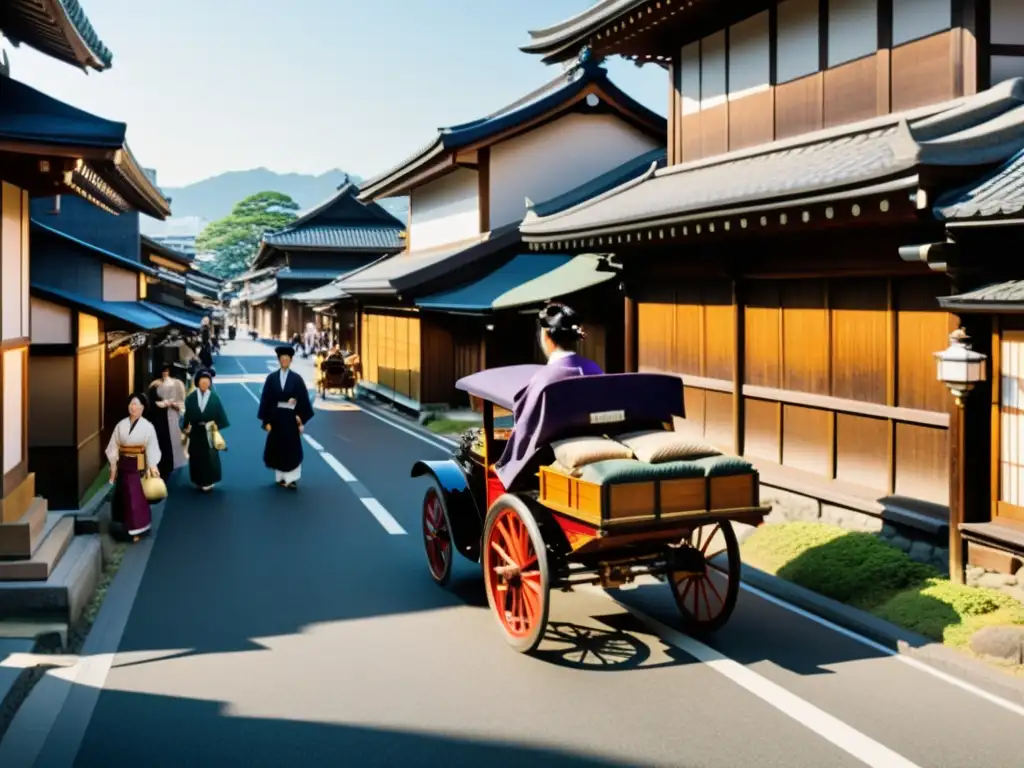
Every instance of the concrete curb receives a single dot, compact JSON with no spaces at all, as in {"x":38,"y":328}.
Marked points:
{"x":396,"y":415}
{"x":889,"y":635}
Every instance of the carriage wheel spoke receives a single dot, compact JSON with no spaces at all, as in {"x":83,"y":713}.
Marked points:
{"x":713,"y":588}
{"x":711,"y":538}
{"x":504,"y":555}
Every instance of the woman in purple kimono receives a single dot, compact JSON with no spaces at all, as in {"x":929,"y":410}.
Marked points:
{"x":559,"y":332}
{"x":133,"y":452}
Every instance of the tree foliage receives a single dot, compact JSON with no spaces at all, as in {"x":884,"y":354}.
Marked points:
{"x":235,"y":239}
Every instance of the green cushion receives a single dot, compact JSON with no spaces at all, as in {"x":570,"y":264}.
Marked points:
{"x":614,"y":471}
{"x":722,"y":466}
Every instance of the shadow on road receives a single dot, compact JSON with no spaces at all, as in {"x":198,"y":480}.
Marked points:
{"x":168,"y":731}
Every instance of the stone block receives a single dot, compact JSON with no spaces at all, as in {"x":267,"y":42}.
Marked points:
{"x":1002,"y":643}
{"x":44,"y":559}
{"x":789,"y":507}
{"x":901,"y":542}
{"x":992,"y":580}
{"x":20,"y":538}
{"x":921,"y":552}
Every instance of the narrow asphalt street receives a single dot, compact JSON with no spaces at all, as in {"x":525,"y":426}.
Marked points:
{"x":278,"y":628}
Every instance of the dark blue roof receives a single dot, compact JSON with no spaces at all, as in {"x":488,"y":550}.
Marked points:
{"x":200,"y":288}
{"x":133,"y":315}
{"x":188,"y":319}
{"x":338,"y":238}
{"x":291,"y":273}
{"x":172,"y":254}
{"x":560,"y":91}
{"x":59,"y":29}
{"x":603,"y":183}
{"x":997,"y":194}
{"x":102,"y":253}
{"x":30,"y":115}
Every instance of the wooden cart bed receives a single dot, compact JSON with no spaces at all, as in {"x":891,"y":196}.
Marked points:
{"x":618,"y":492}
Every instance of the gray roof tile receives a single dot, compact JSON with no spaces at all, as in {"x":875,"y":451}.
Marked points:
{"x":58,"y":28}
{"x":999,"y":194}
{"x":338,"y":238}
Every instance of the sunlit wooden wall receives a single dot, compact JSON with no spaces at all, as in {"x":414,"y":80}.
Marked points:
{"x":838,"y":375}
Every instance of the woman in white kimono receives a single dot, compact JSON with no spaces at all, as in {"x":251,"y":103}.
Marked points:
{"x":167,"y":400}
{"x":133,"y":451}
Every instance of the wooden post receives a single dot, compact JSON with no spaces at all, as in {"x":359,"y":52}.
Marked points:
{"x":957,"y":446}
{"x":737,"y":368}
{"x":632,"y":362}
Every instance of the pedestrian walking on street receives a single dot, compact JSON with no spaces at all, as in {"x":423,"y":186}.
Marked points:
{"x":167,"y":400}
{"x":133,"y":452}
{"x":284,"y":410}
{"x":204,"y":418}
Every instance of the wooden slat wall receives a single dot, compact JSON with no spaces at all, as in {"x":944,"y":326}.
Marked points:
{"x":390,"y":351}
{"x":925,"y":71}
{"x":839,"y":374}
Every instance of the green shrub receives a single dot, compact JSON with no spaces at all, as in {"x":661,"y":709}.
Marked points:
{"x":856,"y":568}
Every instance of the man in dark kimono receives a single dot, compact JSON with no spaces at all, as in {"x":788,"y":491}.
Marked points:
{"x":284,"y":410}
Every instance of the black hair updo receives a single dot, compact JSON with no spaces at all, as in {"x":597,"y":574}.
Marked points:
{"x":562,"y":324}
{"x":143,"y":400}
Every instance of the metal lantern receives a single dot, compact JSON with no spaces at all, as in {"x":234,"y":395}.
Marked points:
{"x":959,"y":366}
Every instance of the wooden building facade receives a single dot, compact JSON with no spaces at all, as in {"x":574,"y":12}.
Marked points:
{"x":779,"y":263}
{"x":468,"y":192}
{"x":338,"y":236}
{"x":49,"y":148}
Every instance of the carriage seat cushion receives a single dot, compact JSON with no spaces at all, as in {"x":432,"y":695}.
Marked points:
{"x":659,"y":446}
{"x":616,"y":471}
{"x":576,"y":452}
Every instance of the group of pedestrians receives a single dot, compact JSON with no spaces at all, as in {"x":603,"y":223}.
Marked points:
{"x":165,"y":429}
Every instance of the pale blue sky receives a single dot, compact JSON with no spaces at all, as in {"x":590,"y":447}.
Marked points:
{"x":213,"y":85}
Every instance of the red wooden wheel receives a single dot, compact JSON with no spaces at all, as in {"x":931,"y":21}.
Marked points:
{"x":516,"y":573}
{"x":437,"y":536}
{"x":706,"y":594}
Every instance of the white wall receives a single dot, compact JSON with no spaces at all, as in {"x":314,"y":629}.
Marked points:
{"x":551,"y":160}
{"x":51,"y":323}
{"x":119,"y":284}
{"x":914,"y":19}
{"x":444,"y":211}
{"x":1007,"y":22}
{"x":13,"y":258}
{"x":798,"y":49}
{"x":852,"y":30}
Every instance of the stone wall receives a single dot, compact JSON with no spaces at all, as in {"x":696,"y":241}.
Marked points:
{"x":788,"y":507}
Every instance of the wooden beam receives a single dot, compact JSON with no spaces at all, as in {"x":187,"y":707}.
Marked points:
{"x":737,"y":368}
{"x":484,"y":188}
{"x":995,"y":425}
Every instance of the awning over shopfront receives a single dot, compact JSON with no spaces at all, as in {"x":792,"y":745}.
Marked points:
{"x":407,"y":271}
{"x":58,"y":148}
{"x":261,"y":292}
{"x":526,"y":279}
{"x":876,"y":157}
{"x":123,"y":315}
{"x":189,"y":319}
{"x":108,"y":256}
{"x":325,"y":294}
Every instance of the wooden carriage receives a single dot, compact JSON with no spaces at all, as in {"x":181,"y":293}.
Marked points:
{"x":335,"y":375}
{"x":604,"y":491}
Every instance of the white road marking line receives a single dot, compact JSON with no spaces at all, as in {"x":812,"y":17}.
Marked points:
{"x":436,"y":443}
{"x":383,"y":517}
{"x":340,"y":469}
{"x":963,"y":685}
{"x":917,"y":664}
{"x":830,"y":728}
{"x":312,"y":443}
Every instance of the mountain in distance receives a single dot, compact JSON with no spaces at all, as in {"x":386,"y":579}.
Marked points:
{"x":213,"y":198}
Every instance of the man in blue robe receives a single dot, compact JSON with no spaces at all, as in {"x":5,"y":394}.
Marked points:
{"x":284,"y":411}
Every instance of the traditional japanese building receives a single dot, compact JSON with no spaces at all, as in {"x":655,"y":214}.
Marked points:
{"x":808,"y":141}
{"x":48,"y":148}
{"x":469,"y":189}
{"x":338,"y":236}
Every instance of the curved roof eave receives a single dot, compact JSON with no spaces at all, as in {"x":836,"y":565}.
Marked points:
{"x":547,"y":99}
{"x":70,"y":38}
{"x":556,"y":41}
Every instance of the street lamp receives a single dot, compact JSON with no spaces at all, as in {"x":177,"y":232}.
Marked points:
{"x":959,"y":366}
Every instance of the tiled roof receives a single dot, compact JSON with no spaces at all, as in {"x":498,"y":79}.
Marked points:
{"x":338,"y":238}
{"x":292,"y":273}
{"x":407,"y":271}
{"x":573,"y":33}
{"x":121,"y":314}
{"x":603,"y":183}
{"x":879,"y":155}
{"x":998,"y":195}
{"x":990,"y":298}
{"x":114,"y":181}
{"x":559,"y":93}
{"x":58,"y":28}
{"x":160,"y":249}
{"x":324,"y":294}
